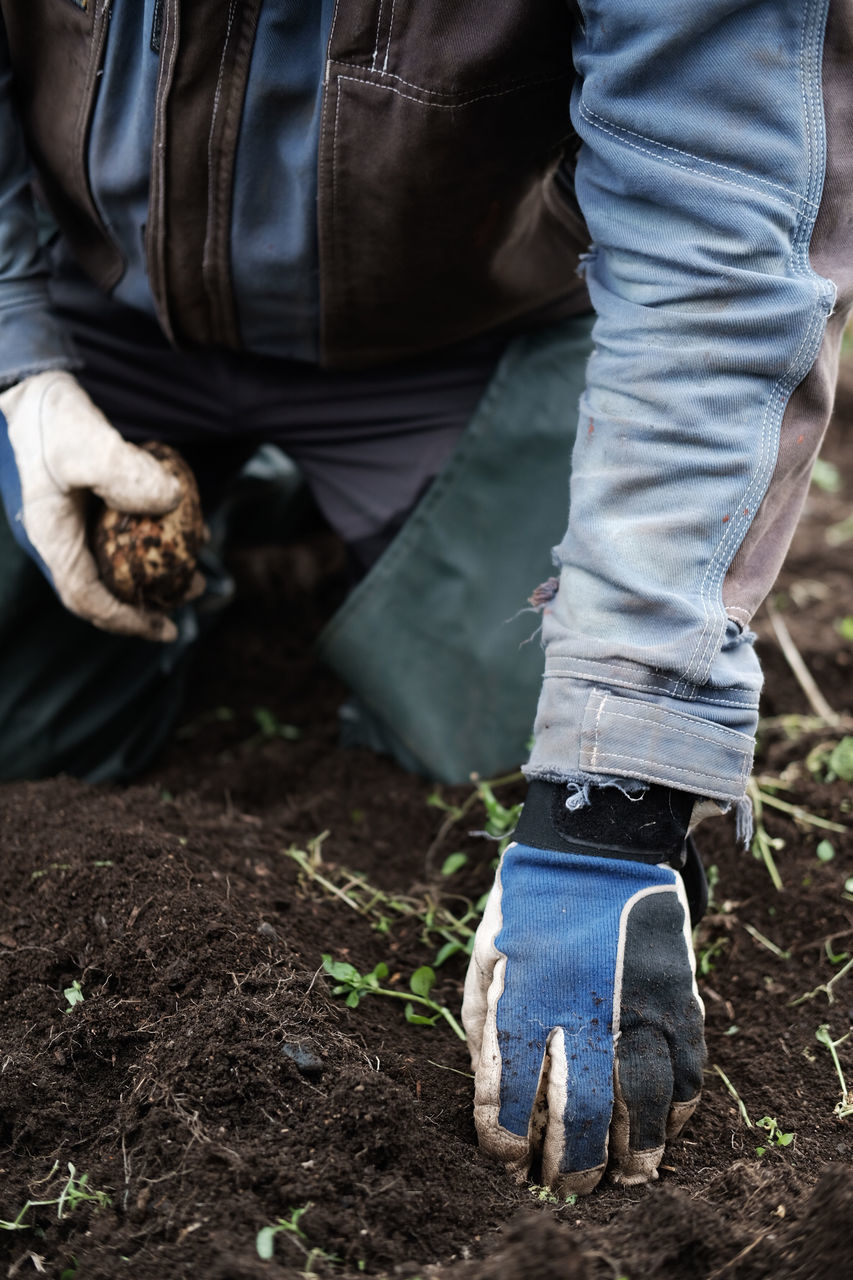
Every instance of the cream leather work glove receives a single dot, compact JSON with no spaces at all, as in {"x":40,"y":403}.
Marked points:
{"x":56,"y":447}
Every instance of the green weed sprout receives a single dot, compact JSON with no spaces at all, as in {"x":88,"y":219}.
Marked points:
{"x":546,"y":1196}
{"x":265,"y":1240}
{"x":73,"y":995}
{"x":775,"y":1136}
{"x":826,"y":987}
{"x":761,"y":792}
{"x":829,"y":761}
{"x":456,"y":932}
{"x":741,"y":1105}
{"x":74,"y":1193}
{"x":823,"y":1036}
{"x":356,"y":985}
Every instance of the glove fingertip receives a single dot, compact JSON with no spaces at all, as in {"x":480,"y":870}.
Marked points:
{"x":637,"y":1167}
{"x":142,"y":485}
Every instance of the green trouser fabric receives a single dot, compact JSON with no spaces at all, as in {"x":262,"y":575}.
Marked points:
{"x":436,"y":641}
{"x":431,"y":642}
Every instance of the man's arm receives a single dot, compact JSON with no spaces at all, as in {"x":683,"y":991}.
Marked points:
{"x":701,"y":174}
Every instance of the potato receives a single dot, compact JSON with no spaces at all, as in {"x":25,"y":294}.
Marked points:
{"x":149,"y":561}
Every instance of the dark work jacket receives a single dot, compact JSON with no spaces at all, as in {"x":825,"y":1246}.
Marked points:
{"x":445,"y":207}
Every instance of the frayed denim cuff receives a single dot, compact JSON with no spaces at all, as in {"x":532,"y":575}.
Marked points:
{"x":587,"y":733}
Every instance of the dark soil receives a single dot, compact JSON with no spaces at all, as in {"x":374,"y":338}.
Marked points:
{"x":210,"y":1084}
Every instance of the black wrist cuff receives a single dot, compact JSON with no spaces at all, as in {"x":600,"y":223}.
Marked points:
{"x":650,"y":828}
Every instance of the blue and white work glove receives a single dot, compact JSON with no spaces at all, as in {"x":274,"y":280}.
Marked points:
{"x":583,"y":1018}
{"x":56,"y":447}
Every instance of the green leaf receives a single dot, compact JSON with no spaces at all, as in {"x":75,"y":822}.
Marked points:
{"x":352,"y":1000}
{"x":422,"y":980}
{"x":379,"y":974}
{"x":785,"y":1139}
{"x":841,"y":760}
{"x":420,"y":1019}
{"x":340,"y":969}
{"x":265,"y":1242}
{"x":73,"y":994}
{"x":825,"y":851}
{"x":844,"y":627}
{"x":449,"y":949}
{"x":454,"y":862}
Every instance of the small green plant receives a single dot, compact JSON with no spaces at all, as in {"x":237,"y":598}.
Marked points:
{"x":74,"y":1193}
{"x":707,"y":956}
{"x":762,"y":793}
{"x":823,"y":1036}
{"x":355,"y":986}
{"x":826,"y":988}
{"x":500,"y":818}
{"x":73,"y":995}
{"x":741,"y":1105}
{"x":454,"y":932}
{"x":269,"y":729}
{"x":453,"y":862}
{"x":775,"y":1136}
{"x":765,"y":942}
{"x":546,"y":1196}
{"x":265,"y":1240}
{"x":829,"y":761}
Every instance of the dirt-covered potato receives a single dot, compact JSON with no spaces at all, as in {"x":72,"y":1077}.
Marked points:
{"x":149,"y":561}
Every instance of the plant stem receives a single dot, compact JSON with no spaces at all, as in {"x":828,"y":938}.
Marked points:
{"x":424,"y":1000}
{"x":733,"y":1091}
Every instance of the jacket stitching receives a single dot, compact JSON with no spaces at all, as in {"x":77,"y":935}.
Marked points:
{"x":378,"y":29}
{"x":592,"y":117}
{"x":390,"y":29}
{"x":508,"y":87}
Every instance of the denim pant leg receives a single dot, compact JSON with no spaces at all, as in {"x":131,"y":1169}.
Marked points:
{"x":714,"y":165}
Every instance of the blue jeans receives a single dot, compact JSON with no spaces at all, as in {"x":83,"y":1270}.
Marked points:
{"x":715,"y":159}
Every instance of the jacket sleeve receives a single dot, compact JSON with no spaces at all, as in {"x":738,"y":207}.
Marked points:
{"x":700,"y":176}
{"x":32,"y":338}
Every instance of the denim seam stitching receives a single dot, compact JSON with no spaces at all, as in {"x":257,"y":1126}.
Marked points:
{"x":615,"y":665}
{"x":618,"y":130}
{"x":692,"y":773}
{"x":683,"y":733}
{"x":664,"y":713}
{"x":646,"y":688}
{"x":719,"y":562}
{"x":606,"y":665}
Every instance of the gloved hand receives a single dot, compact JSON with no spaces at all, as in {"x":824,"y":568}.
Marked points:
{"x":55,"y":446}
{"x":581,"y":1009}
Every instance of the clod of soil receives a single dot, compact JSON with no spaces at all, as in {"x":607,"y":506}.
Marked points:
{"x":149,"y":561}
